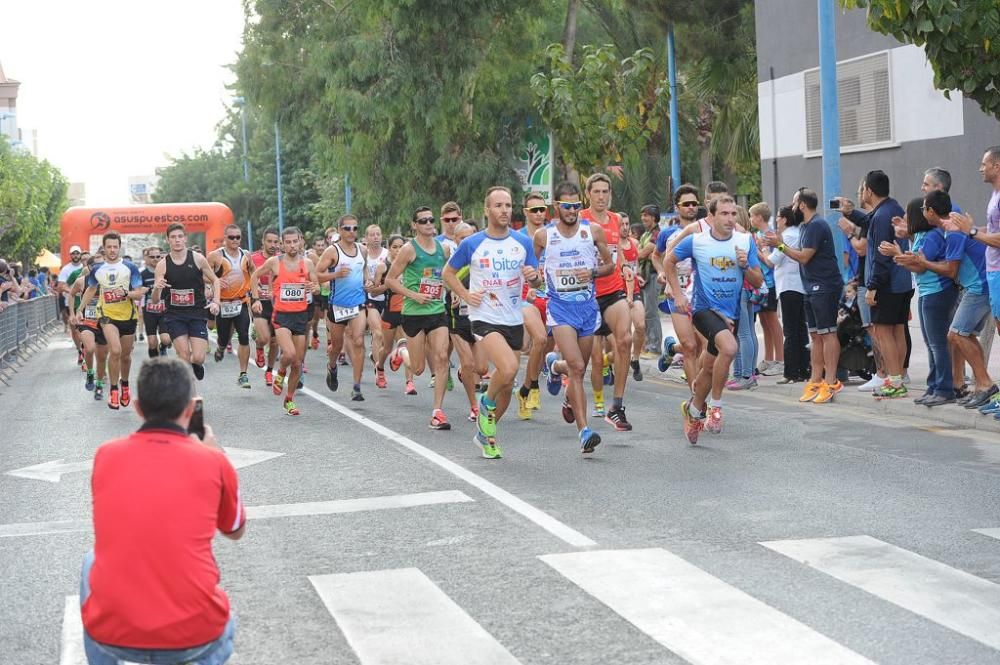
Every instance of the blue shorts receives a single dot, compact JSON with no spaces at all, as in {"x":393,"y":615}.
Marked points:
{"x":584,"y":317}
{"x":667,"y":306}
{"x":993,"y":279}
{"x":973,"y":309}
{"x":181,"y":325}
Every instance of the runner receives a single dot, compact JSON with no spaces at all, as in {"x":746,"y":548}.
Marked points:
{"x":232,"y":265}
{"x":376,"y":255}
{"x":633,"y":293}
{"x":292,"y":277}
{"x":615,"y":317}
{"x":451,"y":217}
{"x":270,"y":245}
{"x":319,"y":305}
{"x":158,"y":341}
{"x":462,"y":339}
{"x":576,"y":255}
{"x":714,"y":307}
{"x":77,"y":261}
{"x":118,"y":285}
{"x":392,"y":317}
{"x":499,"y":263}
{"x":343,"y":265}
{"x":417,"y":273}
{"x":95,"y":346}
{"x":185,"y":273}
{"x":535,"y":302}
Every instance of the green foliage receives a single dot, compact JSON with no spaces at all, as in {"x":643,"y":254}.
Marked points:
{"x":602,"y":109}
{"x":32,"y":200}
{"x":958,"y":37}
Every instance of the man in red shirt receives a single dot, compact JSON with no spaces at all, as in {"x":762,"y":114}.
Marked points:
{"x":149,"y":590}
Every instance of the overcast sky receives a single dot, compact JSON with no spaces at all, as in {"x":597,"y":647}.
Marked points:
{"x":113,"y":86}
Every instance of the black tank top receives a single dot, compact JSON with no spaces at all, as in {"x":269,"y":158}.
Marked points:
{"x":186,"y":294}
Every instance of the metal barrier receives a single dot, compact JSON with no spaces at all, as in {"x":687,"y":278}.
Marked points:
{"x":24,"y":326}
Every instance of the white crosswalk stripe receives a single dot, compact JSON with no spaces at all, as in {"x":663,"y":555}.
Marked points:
{"x":955,"y":599}
{"x":992,"y":533}
{"x":693,"y":614}
{"x":401,"y":616}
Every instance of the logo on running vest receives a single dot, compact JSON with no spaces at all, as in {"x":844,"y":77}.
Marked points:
{"x":100,"y":221}
{"x":722,"y":262}
{"x":484,"y":263}
{"x":584,"y":234}
{"x":506,"y":264}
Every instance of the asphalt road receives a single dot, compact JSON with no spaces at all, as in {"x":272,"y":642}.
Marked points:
{"x":801,"y":534}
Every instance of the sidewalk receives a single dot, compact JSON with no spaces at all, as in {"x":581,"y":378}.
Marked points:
{"x":850,"y":399}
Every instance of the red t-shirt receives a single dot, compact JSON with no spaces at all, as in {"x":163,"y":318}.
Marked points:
{"x":159,"y":498}
{"x":612,"y":235}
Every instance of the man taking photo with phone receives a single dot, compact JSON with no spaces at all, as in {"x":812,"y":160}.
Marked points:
{"x":148,"y":593}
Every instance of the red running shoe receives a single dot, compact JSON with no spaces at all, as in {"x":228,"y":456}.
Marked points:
{"x":113,"y":402}
{"x":126,"y":396}
{"x":259,"y":360}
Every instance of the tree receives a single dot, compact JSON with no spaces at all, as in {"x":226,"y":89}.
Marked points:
{"x":958,"y":38}
{"x":32,"y":200}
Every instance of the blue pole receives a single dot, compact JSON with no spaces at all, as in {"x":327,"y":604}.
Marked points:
{"x":277,"y":168}
{"x":830,"y":117}
{"x":348,"y":193}
{"x":675,"y":142}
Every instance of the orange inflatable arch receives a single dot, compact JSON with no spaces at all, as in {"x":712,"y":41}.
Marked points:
{"x":79,"y":224}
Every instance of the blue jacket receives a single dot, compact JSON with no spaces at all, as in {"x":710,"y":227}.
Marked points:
{"x":881,"y":272}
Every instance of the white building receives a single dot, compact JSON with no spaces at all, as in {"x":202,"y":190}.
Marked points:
{"x":141,"y":188}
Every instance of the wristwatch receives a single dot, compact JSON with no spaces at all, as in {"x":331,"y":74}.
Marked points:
{"x":781,"y":248}
{"x":973,"y":232}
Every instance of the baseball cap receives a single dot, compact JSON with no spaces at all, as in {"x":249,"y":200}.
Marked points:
{"x":75,"y":248}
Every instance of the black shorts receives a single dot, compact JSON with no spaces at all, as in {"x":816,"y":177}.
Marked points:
{"x":892,"y":309}
{"x":99,"y":338}
{"x":295,"y":322}
{"x":709,"y":324}
{"x":241,"y":323}
{"x":125,"y":328}
{"x":514,"y":335}
{"x":603,"y":302}
{"x":377,"y":305}
{"x":180,"y":325}
{"x":821,"y":312}
{"x":63,"y":307}
{"x":391,"y":320}
{"x":771,"y":304}
{"x":329,"y":315}
{"x":461,"y":326}
{"x":153,"y":321}
{"x":414,"y":324}
{"x":318,"y":306}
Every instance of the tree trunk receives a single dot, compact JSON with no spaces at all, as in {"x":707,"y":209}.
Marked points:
{"x":704,"y":161}
{"x":569,"y":30}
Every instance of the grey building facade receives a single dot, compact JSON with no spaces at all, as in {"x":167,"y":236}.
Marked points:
{"x":891,"y":117}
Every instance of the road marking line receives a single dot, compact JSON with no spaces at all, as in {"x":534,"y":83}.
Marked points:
{"x":401,"y":616}
{"x":694,"y":614}
{"x":953,"y":598}
{"x":561,"y":531}
{"x":992,"y":533}
{"x":266,"y":512}
{"x":71,"y":652}
{"x":356,"y":505}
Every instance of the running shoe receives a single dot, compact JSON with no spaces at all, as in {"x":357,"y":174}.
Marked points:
{"x":889,"y":391}
{"x":589,"y":439}
{"x":89,"y":385}
{"x":98,"y":392}
{"x":79,"y":356}
{"x":486,"y":446}
{"x":836,"y":387}
{"x":342,"y":359}
{"x":669,"y":351}
{"x":315,"y":342}
{"x":473,"y":414}
{"x":776,"y":368}
{"x":219,"y":354}
{"x":356,"y":395}
{"x":487,"y":421}
{"x":810,"y":392}
{"x":692,"y":425}
{"x":523,"y":410}
{"x":825,"y":394}
{"x":411,"y":388}
{"x":332,"y":380}
{"x":608,"y":371}
{"x":84,"y":367}
{"x":113,"y":399}
{"x":125,"y":397}
{"x":554,"y":381}
{"x":616,"y":417}
{"x":278,"y":383}
{"x":268,"y":378}
{"x":430,"y":384}
{"x":396,"y":358}
{"x":535,"y":399}
{"x":258,"y":359}
{"x":229,"y":349}
{"x":991,"y":406}
{"x":380,"y":381}
{"x":742,"y":383}
{"x":567,"y":412}
{"x":980,"y":397}
{"x":713,"y":421}
{"x":871,"y":384}
{"x":636,"y":370}
{"x":164,"y":348}
{"x":243,"y":381}
{"x":290,"y":408}
{"x":598,"y":411}
{"x":142,"y":338}
{"x":439,"y":420}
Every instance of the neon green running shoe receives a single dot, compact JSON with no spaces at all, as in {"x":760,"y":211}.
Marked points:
{"x":487,"y":421}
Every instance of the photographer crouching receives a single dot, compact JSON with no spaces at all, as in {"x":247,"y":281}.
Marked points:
{"x":149,"y":590}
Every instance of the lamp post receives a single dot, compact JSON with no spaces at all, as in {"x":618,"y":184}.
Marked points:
{"x":830,"y":114}
{"x":675,"y":142}
{"x":242,"y":104}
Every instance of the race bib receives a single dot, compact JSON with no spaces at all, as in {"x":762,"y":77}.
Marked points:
{"x":182,"y":297}
{"x":265,"y":291}
{"x":157,"y":308}
{"x":341,"y":314}
{"x":432,"y":287}
{"x":684,"y":280}
{"x":230,"y":308}
{"x":90,"y":312}
{"x":293,"y":292}
{"x":614,"y":253}
{"x":463,"y":309}
{"x":566,"y":281}
{"x":112,"y":296}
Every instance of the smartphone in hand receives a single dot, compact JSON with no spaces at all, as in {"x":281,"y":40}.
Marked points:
{"x":197,"y":424}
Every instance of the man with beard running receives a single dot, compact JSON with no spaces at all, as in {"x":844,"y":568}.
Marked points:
{"x":183,"y":274}
{"x":293,"y":282}
{"x":576,"y":254}
{"x":534,"y":306}
{"x":233,"y":266}
{"x":376,"y":255}
{"x":270,"y":245}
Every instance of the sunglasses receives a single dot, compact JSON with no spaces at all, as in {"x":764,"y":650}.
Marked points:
{"x":537,"y":209}
{"x":235,"y":237}
{"x":574,"y":205}
{"x":688,"y":204}
{"x":451,"y":219}
{"x":424,"y":220}
{"x":157,"y":257}
{"x":349,"y":228}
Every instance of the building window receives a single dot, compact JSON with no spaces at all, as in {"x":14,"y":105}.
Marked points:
{"x":864,"y":95}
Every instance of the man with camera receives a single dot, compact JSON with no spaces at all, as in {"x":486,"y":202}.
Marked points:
{"x":149,"y":589}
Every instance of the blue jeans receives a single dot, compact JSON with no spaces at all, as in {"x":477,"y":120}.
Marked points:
{"x":213,"y":653}
{"x":936,"y":312}
{"x":745,"y":361}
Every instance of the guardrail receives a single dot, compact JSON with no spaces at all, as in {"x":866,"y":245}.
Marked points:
{"x":24,"y":325}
